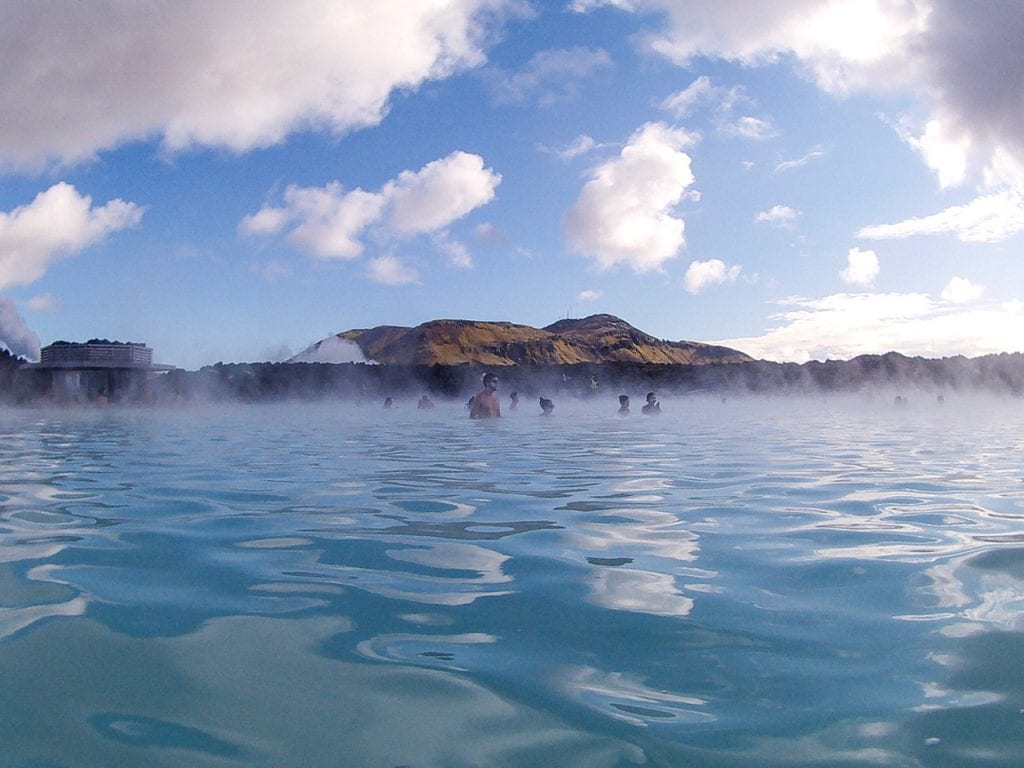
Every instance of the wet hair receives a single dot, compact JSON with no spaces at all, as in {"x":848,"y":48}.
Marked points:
{"x":545,"y":403}
{"x":623,"y":399}
{"x":488,"y":378}
{"x":650,"y":395}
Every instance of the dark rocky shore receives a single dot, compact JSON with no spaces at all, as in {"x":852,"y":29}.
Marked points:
{"x":259,"y":382}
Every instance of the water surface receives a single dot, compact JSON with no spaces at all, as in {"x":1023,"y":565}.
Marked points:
{"x":749,"y":583}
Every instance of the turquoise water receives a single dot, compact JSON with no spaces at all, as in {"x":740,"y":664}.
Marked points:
{"x":750,"y":583}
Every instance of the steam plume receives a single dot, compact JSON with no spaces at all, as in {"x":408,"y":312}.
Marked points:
{"x":15,"y":336}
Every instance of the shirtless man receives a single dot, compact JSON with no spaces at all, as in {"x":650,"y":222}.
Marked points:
{"x":485,"y":402}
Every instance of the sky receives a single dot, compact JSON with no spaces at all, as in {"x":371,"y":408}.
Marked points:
{"x":234,"y":181}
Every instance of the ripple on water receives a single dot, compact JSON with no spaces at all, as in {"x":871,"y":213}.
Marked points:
{"x":733,"y":576}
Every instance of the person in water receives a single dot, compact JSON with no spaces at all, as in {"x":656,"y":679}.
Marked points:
{"x":653,"y":407}
{"x":623,"y":405}
{"x":485,"y":402}
{"x":513,"y":401}
{"x":388,"y":402}
{"x":546,"y":407}
{"x":425,"y":403}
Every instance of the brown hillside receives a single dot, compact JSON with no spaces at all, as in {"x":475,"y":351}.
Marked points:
{"x":594,"y":339}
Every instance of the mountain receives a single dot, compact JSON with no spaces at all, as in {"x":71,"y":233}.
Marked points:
{"x":594,"y":339}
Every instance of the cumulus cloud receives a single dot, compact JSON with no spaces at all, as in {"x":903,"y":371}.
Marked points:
{"x":589,"y":295}
{"x":959,"y":63}
{"x":845,"y":325}
{"x":328,"y":221}
{"x":778,"y":215}
{"x":861,"y":267}
{"x":842,"y":44}
{"x":59,"y":222}
{"x":15,"y":336}
{"x":986,"y":219}
{"x":624,"y":214}
{"x":331,"y":222}
{"x":549,"y":76}
{"x":960,"y":290}
{"x":203,"y":74}
{"x":702,"y":274}
{"x":390,"y":270}
{"x":441,"y":192}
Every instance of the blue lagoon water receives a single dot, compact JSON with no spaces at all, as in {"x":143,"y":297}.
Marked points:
{"x":750,"y":583}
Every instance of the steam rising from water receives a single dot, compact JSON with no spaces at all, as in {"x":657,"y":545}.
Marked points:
{"x":332,"y":350}
{"x":15,"y":335}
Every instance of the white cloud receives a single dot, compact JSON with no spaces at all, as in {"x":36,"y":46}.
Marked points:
{"x":624,"y":214}
{"x":549,"y":76}
{"x":845,"y":325}
{"x":702,"y":274}
{"x":843,"y":44}
{"x":581,"y":145}
{"x":960,"y":290}
{"x":267,"y":221}
{"x":779,"y":216}
{"x":328,"y":221}
{"x":15,"y":335}
{"x":390,"y":270}
{"x":488,"y":232}
{"x":441,"y":192}
{"x":204,"y":74}
{"x":589,"y":295}
{"x":683,"y":103}
{"x":724,"y":104}
{"x":44,"y":302}
{"x":986,"y":219}
{"x":457,"y":253}
{"x":752,"y":128}
{"x":944,"y":151}
{"x":788,"y":165}
{"x":958,"y":62}
{"x":57,"y":223}
{"x":861,"y":268}
{"x":331,"y":222}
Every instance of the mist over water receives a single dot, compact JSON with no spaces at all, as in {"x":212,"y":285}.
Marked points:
{"x":814,"y":582}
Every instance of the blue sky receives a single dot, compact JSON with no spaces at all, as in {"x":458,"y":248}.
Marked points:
{"x":235,"y":181}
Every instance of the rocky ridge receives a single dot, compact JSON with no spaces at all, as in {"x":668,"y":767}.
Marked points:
{"x":593,"y":339}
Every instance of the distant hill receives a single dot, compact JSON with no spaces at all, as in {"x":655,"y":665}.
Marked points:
{"x":594,"y":339}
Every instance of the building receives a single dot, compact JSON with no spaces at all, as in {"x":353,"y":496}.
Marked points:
{"x":97,"y":371}
{"x":97,"y":353}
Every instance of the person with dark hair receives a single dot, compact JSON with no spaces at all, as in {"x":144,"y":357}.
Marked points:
{"x":546,"y":407}
{"x":513,"y":401}
{"x":485,"y":402}
{"x":425,"y":403}
{"x":623,"y":405}
{"x":653,"y":407}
